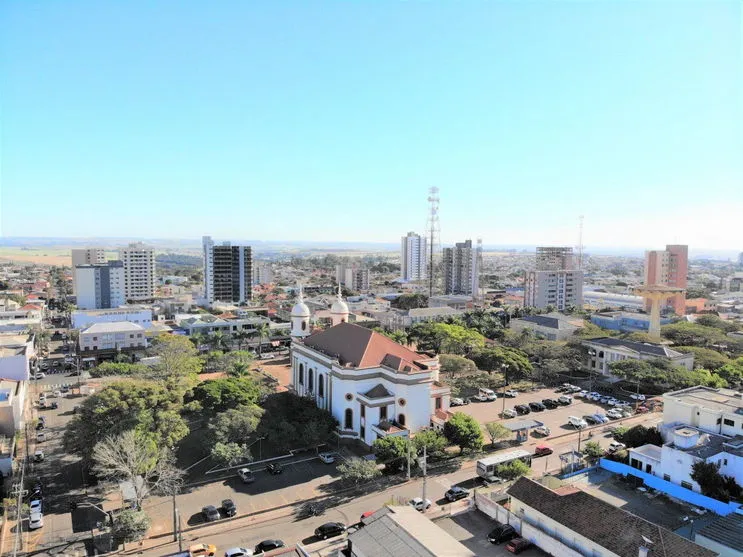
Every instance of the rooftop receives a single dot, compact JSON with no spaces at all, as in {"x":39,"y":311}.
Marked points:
{"x":113,"y":327}
{"x":727,"y":531}
{"x":650,"y":451}
{"x":359,"y":347}
{"x":618,"y":531}
{"x":708,"y":444}
{"x":546,"y":321}
{"x":433,"y":312}
{"x":721,"y":400}
{"x":657,"y":350}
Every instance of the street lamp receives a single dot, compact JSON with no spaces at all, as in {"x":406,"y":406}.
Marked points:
{"x":504,"y":370}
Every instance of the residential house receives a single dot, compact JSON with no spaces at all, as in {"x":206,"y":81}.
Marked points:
{"x":605,"y":350}
{"x":549,"y":327}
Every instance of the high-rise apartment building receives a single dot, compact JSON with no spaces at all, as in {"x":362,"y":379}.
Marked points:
{"x":353,"y":276}
{"x":669,"y":267}
{"x":86,"y":256}
{"x":556,"y":282}
{"x":228,"y":272}
{"x":100,"y":286}
{"x":461,"y":269}
{"x":139,"y":272}
{"x":414,"y":257}
{"x":262,"y":273}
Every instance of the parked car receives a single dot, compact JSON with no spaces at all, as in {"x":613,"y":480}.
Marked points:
{"x":36,"y":520}
{"x":574,"y":389}
{"x":456,"y":401}
{"x":511,"y":393}
{"x":591,"y":419}
{"x":615,"y":446}
{"x":637,"y":397}
{"x":537,"y":406}
{"x":327,"y":458}
{"x":502,"y":533}
{"x":627,"y":412}
{"x":39,"y":426}
{"x":419,"y":504}
{"x":521,"y":409}
{"x":39,"y":375}
{"x":38,"y":455}
{"x":542,"y":450}
{"x":246,"y":475}
{"x":456,"y":493}
{"x":485,"y":395}
{"x":582,"y":393}
{"x":40,"y":436}
{"x":642,"y":409}
{"x":549,"y":403}
{"x":268,"y":545}
{"x":576,"y":422}
{"x":238,"y":552}
{"x":202,"y":550}
{"x":509,"y":413}
{"x":229,"y":508}
{"x":330,"y":529}
{"x":614,"y":414}
{"x":35,"y":506}
{"x":542,"y":430}
{"x":210,"y":513}
{"x":565,"y":400}
{"x":601,"y":418}
{"x":274,"y":468}
{"x":517,"y":545}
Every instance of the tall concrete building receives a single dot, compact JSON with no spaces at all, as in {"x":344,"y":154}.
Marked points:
{"x":461,"y":271}
{"x":414,"y":257}
{"x":228,"y":272}
{"x":556,"y":282}
{"x":86,"y":256}
{"x":100,"y":286}
{"x":669,"y":267}
{"x":139,"y":272}
{"x":353,"y":277}
{"x":262,"y":273}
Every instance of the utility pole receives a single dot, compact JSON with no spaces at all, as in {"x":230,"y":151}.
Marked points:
{"x":504,"y":368}
{"x":424,"y":466}
{"x":19,"y":492}
{"x":409,"y":457}
{"x":175,"y":519}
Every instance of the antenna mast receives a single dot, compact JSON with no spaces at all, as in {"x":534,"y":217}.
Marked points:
{"x":433,"y":229}
{"x":580,"y":243}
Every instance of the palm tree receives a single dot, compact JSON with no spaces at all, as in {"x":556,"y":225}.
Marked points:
{"x":199,"y":339}
{"x":218,"y":340}
{"x":241,"y":336}
{"x":239,"y":369}
{"x":264,"y":331}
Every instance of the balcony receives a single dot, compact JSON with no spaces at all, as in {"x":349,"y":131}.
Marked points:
{"x":390,"y":428}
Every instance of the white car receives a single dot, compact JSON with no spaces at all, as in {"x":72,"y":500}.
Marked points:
{"x":35,"y":506}
{"x":238,"y":552}
{"x":511,"y":393}
{"x":246,"y":475}
{"x":542,"y":430}
{"x":40,"y":437}
{"x":57,"y":393}
{"x":419,"y":505}
{"x":614,"y":414}
{"x":36,"y":520}
{"x":637,"y":397}
{"x":615,"y":446}
{"x":39,"y":375}
{"x":327,"y":458}
{"x":509,"y":413}
{"x":38,"y":455}
{"x":582,"y":393}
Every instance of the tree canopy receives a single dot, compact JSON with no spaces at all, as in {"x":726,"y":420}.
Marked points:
{"x":291,"y":421}
{"x":712,"y":483}
{"x":410,"y":301}
{"x":705,"y":357}
{"x":663,"y":373}
{"x":454,"y":364}
{"x":358,"y":470}
{"x":178,"y":363}
{"x":392,"y":451}
{"x":235,"y":425}
{"x":516,"y":361}
{"x":464,"y":431}
{"x":218,"y":395}
{"x":446,"y":338}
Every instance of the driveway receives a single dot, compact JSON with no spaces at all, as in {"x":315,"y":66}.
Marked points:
{"x":472,"y":528}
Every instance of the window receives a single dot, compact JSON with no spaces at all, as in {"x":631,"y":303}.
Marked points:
{"x":321,"y":385}
{"x":401,"y":419}
{"x":95,"y":338}
{"x":363,"y":411}
{"x":438,"y":403}
{"x":382,"y":413}
{"x":728,"y":422}
{"x":304,"y":325}
{"x":686,"y":485}
{"x":348,"y":421}
{"x":349,"y":397}
{"x":667,"y":477}
{"x":311,"y":379}
{"x":301,"y":374}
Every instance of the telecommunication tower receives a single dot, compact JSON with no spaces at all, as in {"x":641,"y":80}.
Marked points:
{"x":433,"y":230}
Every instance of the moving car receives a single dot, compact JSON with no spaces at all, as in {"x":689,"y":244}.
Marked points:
{"x":456,"y":493}
{"x":550,"y":403}
{"x":511,"y":393}
{"x":330,"y":529}
{"x":39,"y":375}
{"x":565,"y":400}
{"x":542,"y":450}
{"x":509,"y":413}
{"x":268,"y":545}
{"x":327,"y":458}
{"x":502,"y":533}
{"x":537,"y":406}
{"x":246,"y":475}
{"x":274,"y":468}
{"x":542,"y":430}
{"x":419,"y":505}
{"x":238,"y":552}
{"x":517,"y":545}
{"x":210,"y":513}
{"x":40,"y":437}
{"x":36,"y":520}
{"x":521,"y":409}
{"x":229,"y":508}
{"x":199,"y":549}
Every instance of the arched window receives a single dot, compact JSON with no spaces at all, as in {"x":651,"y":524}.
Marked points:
{"x":401,"y":419}
{"x":348,"y":422}
{"x":321,"y":385}
{"x":301,"y":374}
{"x":311,"y":379}
{"x":304,"y":325}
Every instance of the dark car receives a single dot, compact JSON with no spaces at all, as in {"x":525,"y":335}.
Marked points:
{"x":517,"y":545}
{"x":330,"y":529}
{"x":229,"y":508}
{"x":268,"y":545}
{"x":274,"y":468}
{"x":210,"y":513}
{"x":521,"y":409}
{"x":502,"y":533}
{"x":40,"y":426}
{"x":537,"y":406}
{"x":590,"y":419}
{"x":456,"y":493}
{"x":550,"y":403}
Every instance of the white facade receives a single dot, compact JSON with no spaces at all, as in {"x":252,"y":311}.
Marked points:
{"x":605,"y":351}
{"x":86,"y":256}
{"x":228,"y":272}
{"x":553,"y":288}
{"x":262,"y":273}
{"x":16,"y":354}
{"x":139,"y":272}
{"x":713,"y":410}
{"x":372,"y":401}
{"x":603,"y":300}
{"x":85,"y":318}
{"x":119,"y":335}
{"x":207,"y":246}
{"x":461,"y":269}
{"x":413,"y":257}
{"x":100,"y":286}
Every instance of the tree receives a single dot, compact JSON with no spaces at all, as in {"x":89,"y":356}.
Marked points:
{"x":136,"y":458}
{"x":219,"y":341}
{"x":692,"y":334}
{"x":592,"y":450}
{"x":235,"y":425}
{"x":446,"y":337}
{"x":512,"y":470}
{"x":704,"y":357}
{"x":640,"y":435}
{"x":145,"y":406}
{"x":392,"y":451}
{"x":453,"y":364}
{"x":218,"y":395}
{"x":464,"y":431}
{"x":712,"y":483}
{"x":410,"y":301}
{"x":433,"y":440}
{"x":264,"y":331}
{"x":717,"y":323}
{"x":732,"y":372}
{"x":129,"y":526}
{"x":107,"y":369}
{"x":492,"y":359}
{"x":178,"y":363}
{"x":496,"y":432}
{"x":358,"y":470}
{"x":291,"y":421}
{"x":229,"y":453}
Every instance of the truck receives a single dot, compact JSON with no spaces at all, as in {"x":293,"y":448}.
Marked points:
{"x":196,"y":550}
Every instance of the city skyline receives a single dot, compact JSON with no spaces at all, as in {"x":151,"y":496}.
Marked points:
{"x":134,"y":120}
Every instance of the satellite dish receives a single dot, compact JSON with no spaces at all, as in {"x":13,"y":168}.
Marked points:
{"x":647,"y":540}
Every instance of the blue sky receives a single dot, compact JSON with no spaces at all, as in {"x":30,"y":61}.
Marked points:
{"x":329,"y":120}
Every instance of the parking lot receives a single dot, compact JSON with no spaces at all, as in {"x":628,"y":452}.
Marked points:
{"x":472,"y":528}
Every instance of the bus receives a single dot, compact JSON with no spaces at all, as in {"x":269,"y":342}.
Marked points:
{"x":486,"y":467}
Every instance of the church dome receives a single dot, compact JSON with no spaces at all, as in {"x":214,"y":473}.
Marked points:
{"x":339,"y":307}
{"x":300,"y":309}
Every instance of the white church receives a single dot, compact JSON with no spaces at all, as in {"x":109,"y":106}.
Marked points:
{"x":373,"y":386}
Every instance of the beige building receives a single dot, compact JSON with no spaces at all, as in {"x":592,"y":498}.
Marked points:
{"x":120,"y":335}
{"x":139,"y":272}
{"x":86,"y":256}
